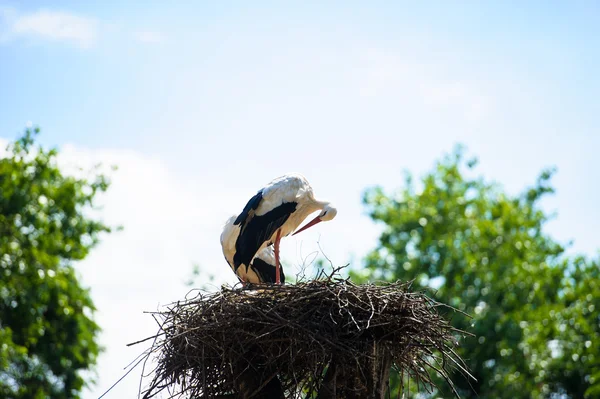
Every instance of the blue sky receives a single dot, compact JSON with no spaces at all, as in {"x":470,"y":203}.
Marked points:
{"x":202,"y":104}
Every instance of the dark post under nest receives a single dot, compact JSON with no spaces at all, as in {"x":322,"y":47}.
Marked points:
{"x":326,"y":338}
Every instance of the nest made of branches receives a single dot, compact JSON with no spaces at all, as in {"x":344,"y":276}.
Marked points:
{"x":206,"y":345}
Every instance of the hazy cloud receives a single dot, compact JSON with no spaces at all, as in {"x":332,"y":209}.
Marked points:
{"x":62,"y":26}
{"x":49,"y":25}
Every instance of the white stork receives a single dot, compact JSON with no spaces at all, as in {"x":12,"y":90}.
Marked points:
{"x":275,"y":211}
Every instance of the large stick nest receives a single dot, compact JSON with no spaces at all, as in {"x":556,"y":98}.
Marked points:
{"x":207,"y":344}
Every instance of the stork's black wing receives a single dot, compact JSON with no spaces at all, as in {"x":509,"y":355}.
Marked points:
{"x":249,"y":209}
{"x":259,"y":229}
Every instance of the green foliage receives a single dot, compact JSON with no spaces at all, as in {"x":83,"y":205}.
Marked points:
{"x":572,"y":326}
{"x":47,"y":335}
{"x":488,"y":255}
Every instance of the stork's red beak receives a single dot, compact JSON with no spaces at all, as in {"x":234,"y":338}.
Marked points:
{"x":309,"y":224}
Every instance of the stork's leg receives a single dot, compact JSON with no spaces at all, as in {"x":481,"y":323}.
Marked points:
{"x":277,"y":265}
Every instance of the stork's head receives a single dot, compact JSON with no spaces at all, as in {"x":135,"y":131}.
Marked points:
{"x":327,"y":213}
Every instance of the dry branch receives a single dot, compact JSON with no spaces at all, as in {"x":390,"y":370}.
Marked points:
{"x":311,"y":339}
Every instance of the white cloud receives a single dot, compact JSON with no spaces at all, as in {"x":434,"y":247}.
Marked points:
{"x":50,"y":25}
{"x":149,"y":37}
{"x":3,"y":144}
{"x":63,"y":26}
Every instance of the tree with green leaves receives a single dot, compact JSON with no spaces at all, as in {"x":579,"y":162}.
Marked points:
{"x":564,"y":340}
{"x":487,"y":254}
{"x":47,"y":332}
